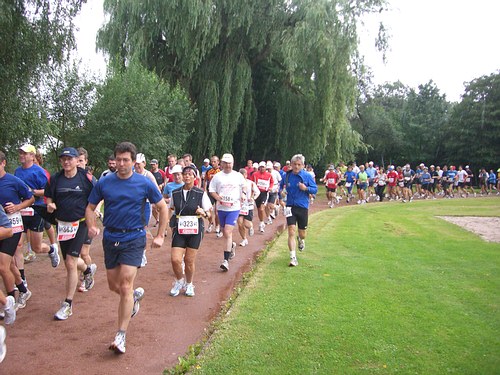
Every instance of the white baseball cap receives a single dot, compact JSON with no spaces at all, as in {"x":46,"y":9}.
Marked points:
{"x":262,"y":164}
{"x":177,"y":168}
{"x":140,"y":158}
{"x":269,"y":165}
{"x":228,"y":158}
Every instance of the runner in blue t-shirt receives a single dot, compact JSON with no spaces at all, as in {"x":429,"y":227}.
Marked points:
{"x":124,"y":238}
{"x":350,"y":178}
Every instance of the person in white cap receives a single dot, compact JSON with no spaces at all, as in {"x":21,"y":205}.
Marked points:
{"x":265,"y":183}
{"x":272,"y":201}
{"x":34,"y":176}
{"x":229,"y":190}
{"x":204,"y":168}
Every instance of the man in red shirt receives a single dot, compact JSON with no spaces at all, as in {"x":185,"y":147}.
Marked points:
{"x":331,"y":179}
{"x":392,"y":180}
{"x":264,"y":181}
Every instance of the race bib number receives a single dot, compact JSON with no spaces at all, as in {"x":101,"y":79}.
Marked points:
{"x":263,"y":184}
{"x":244,"y":209}
{"x":28,"y":211}
{"x":407,"y":178}
{"x":381,"y":183}
{"x":402,"y":184}
{"x":348,"y":184}
{"x":288,"y":211}
{"x":331,"y":181}
{"x":67,"y":230}
{"x":226,"y":201}
{"x":391,"y":179}
{"x":16,"y":220}
{"x":187,"y":225}
{"x":467,"y":180}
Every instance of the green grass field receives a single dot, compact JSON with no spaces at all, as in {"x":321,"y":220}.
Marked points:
{"x":381,"y":288}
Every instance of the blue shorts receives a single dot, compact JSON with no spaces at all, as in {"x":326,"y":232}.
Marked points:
{"x":228,"y":217}
{"x":127,"y":252}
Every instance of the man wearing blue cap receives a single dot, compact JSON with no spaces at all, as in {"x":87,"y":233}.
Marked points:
{"x":67,"y":194}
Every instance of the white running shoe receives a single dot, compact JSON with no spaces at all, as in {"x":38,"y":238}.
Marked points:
{"x":89,"y":278}
{"x":261,"y":227}
{"x":138,"y":296}
{"x":269,"y":221}
{"x":244,"y":242}
{"x":10,"y":311}
{"x":219,"y":233}
{"x":189,"y":290}
{"x":233,"y":251}
{"x":54,"y":256}
{"x":210,"y":228}
{"x":225,"y":265}
{"x":177,"y":287}
{"x":64,"y":312}
{"x":118,"y":346}
{"x":3,"y":347}
{"x":293,"y":262}
{"x":22,"y":298}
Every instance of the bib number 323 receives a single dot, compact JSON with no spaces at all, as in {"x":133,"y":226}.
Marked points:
{"x":187,"y":225}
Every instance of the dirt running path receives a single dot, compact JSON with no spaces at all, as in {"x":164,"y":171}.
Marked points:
{"x":162,"y":331}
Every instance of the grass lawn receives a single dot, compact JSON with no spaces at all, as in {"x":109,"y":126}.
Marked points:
{"x":380,"y":288}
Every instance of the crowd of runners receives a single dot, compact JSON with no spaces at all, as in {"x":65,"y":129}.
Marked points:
{"x":181,"y":200}
{"x":367,"y":182}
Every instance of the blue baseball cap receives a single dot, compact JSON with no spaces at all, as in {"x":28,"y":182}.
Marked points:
{"x":69,"y":151}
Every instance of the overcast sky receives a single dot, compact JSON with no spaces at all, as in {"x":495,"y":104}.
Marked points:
{"x":448,"y":41}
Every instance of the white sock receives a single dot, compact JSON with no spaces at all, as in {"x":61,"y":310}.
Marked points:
{"x":292,"y":254}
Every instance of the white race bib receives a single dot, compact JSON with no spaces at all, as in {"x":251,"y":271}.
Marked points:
{"x":402,"y":184}
{"x":288,"y":211}
{"x":263,"y":184}
{"x":187,"y":225}
{"x":348,"y":184}
{"x":244,"y":209}
{"x":28,"y":211}
{"x":67,"y":230}
{"x":16,"y":220}
{"x":226,"y":201}
{"x":331,"y":181}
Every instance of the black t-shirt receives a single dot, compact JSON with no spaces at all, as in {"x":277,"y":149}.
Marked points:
{"x":70,"y":196}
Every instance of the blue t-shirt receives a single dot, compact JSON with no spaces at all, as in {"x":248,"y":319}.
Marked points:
{"x":425,"y":178}
{"x":371,"y":172}
{"x":170,"y":187}
{"x":125,"y":204}
{"x":350,"y":176}
{"x":34,"y":177}
{"x":4,"y":220}
{"x":451,"y":175}
{"x":13,"y":190}
{"x":296,"y":197}
{"x":492,"y":178}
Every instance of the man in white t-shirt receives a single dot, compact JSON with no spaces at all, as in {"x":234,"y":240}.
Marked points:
{"x":228,"y":188}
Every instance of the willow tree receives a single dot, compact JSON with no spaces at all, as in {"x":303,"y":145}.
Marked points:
{"x":269,"y":78}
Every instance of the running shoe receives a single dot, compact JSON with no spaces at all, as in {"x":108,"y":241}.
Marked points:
{"x":189,"y":290}
{"x":261,"y":227}
{"x":269,"y":221}
{"x":3,"y":347}
{"x":251,"y":231}
{"x":210,"y":228}
{"x":29,"y":256}
{"x":233,"y":251}
{"x":225,"y":265}
{"x":177,"y":287}
{"x":218,"y":233}
{"x":82,"y":288}
{"x":54,"y":256}
{"x":138,"y":296}
{"x":64,"y":312}
{"x":302,"y":244}
{"x":89,"y":278}
{"x":244,"y":242}
{"x":118,"y":346}
{"x":10,"y":311}
{"x":272,"y":215}
{"x":293,"y":262}
{"x":22,"y":298}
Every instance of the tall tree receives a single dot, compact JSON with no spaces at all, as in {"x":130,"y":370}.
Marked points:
{"x":269,"y":77}
{"x":33,"y":34}
{"x":135,"y":105}
{"x":473,"y":133}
